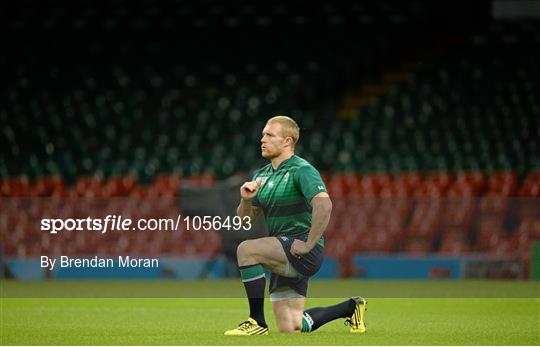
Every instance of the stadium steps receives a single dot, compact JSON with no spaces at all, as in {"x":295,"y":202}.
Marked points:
{"x":407,"y":67}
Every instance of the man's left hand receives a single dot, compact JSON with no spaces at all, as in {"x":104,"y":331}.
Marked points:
{"x":300,"y":248}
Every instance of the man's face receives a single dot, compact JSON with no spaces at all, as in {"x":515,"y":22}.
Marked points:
{"x":272,"y":141}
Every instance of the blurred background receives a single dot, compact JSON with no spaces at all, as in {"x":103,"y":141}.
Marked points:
{"x":423,"y":118}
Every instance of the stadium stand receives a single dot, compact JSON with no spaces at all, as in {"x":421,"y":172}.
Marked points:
{"x":114,"y":100}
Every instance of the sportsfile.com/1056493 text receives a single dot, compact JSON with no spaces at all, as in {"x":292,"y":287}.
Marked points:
{"x":120,"y":223}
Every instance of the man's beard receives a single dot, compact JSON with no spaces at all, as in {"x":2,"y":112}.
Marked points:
{"x":269,"y":155}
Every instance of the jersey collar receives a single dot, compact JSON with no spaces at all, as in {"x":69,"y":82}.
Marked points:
{"x":282,"y":163}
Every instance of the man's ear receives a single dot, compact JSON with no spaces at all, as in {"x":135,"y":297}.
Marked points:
{"x":290,"y":140}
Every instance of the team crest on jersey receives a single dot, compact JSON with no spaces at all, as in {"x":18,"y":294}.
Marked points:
{"x":286,"y":176}
{"x":260,"y":180}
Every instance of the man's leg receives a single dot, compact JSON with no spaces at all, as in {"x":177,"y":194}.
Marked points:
{"x":293,"y":316}
{"x":252,"y":256}
{"x":288,"y":314}
{"x":288,"y":301}
{"x":267,"y":251}
{"x":351,"y":309}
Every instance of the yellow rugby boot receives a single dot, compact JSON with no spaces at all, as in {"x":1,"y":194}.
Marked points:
{"x":249,"y":327}
{"x":356,"y":321}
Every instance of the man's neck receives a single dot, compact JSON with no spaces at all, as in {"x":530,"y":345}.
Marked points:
{"x":279,"y":159}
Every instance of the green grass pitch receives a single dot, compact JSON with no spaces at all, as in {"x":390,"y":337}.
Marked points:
{"x":439,"y":313}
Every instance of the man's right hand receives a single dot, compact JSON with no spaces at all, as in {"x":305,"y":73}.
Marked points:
{"x":248,"y":190}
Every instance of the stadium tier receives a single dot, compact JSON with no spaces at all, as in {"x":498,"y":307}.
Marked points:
{"x":112,"y":100}
{"x":165,"y":101}
{"x":412,"y":213}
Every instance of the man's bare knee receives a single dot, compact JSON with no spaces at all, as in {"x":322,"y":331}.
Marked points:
{"x":286,"y":327}
{"x":297,"y":326}
{"x":243,"y":249}
{"x":244,"y":253}
{"x":290,"y":329}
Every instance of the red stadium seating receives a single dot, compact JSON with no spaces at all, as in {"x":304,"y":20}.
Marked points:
{"x":411,"y":213}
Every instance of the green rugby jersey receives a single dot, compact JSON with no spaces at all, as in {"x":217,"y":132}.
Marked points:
{"x":285,"y":195}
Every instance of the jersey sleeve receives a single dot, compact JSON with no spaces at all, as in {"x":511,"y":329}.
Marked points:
{"x":310,"y":182}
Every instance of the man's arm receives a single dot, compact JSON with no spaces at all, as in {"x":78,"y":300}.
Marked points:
{"x":321,"y":211}
{"x":247,"y":192}
{"x":246,"y":209}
